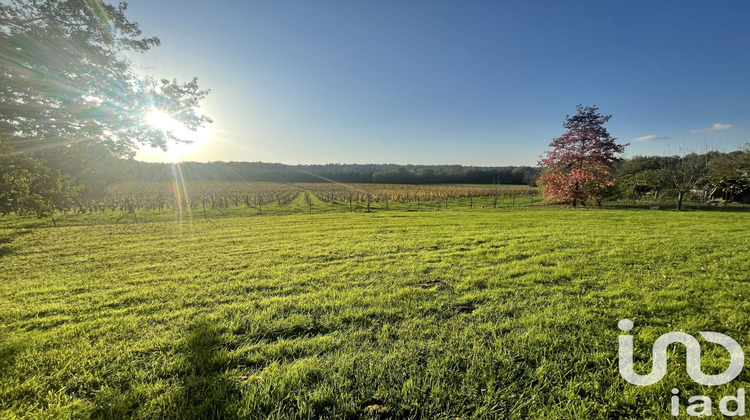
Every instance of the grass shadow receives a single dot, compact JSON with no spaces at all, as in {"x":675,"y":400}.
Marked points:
{"x":205,"y":388}
{"x":209,"y":391}
{"x":9,"y":348}
{"x":6,"y":241}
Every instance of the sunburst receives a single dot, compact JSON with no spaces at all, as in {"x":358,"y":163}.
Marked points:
{"x":165,"y":122}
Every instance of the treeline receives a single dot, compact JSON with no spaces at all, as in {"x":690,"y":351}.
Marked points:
{"x":712,"y":176}
{"x":123,"y":170}
{"x":345,"y":173}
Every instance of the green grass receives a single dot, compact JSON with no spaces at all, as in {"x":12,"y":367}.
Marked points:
{"x":465,"y":313}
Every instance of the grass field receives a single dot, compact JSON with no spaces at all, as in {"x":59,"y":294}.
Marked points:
{"x":480,"y":313}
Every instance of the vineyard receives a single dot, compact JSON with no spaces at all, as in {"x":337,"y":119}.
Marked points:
{"x":384,"y":194}
{"x":262,"y":197}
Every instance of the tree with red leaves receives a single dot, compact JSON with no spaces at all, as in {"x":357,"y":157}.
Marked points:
{"x":578,"y":167}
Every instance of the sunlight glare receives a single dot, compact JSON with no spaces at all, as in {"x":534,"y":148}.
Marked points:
{"x":165,"y":122}
{"x":162,"y":121}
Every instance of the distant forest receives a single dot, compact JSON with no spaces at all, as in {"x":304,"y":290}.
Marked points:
{"x":118,"y":170}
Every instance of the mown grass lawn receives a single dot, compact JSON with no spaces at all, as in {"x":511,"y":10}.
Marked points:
{"x":451,"y":314}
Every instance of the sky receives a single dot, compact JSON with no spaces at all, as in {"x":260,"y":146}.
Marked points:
{"x":486,"y":83}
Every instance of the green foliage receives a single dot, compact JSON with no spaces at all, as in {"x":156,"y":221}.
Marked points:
{"x":731,"y":173}
{"x":66,"y":79}
{"x":643,"y":182}
{"x":640,"y":176}
{"x":444,"y":315}
{"x":681,"y":176}
{"x":27,"y":186}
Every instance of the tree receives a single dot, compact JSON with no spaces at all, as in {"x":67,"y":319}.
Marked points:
{"x":639,"y":176}
{"x":730,"y":173}
{"x":578,"y":167}
{"x":686,"y":173}
{"x":67,"y":84}
{"x":27,"y":186}
{"x":65,"y":79}
{"x":525,"y":175}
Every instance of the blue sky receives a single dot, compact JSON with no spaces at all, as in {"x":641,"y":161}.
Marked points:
{"x":443,"y":82}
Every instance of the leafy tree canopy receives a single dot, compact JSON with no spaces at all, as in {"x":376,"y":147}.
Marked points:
{"x":731,"y":171}
{"x":27,"y":186}
{"x":65,"y":79}
{"x":578,"y":166}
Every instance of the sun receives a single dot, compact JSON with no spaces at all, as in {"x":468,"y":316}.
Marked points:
{"x":161,"y":120}
{"x":176,"y":152}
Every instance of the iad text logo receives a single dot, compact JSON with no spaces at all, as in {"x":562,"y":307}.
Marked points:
{"x":700,"y":405}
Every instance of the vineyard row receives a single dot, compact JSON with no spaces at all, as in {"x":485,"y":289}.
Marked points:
{"x":139,"y":196}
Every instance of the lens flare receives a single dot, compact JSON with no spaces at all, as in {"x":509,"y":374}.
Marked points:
{"x":163,"y":121}
{"x":179,"y":189}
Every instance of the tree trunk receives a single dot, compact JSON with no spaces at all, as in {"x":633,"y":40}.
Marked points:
{"x":679,"y":200}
